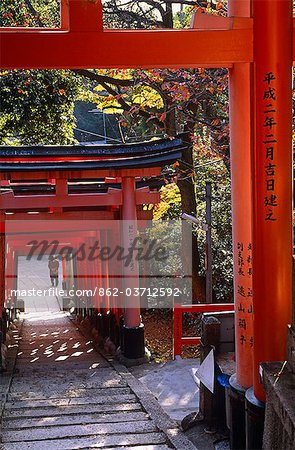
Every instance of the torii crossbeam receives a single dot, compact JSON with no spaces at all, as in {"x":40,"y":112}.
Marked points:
{"x":256,"y":44}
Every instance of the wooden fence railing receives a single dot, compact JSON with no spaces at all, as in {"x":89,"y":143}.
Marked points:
{"x":178,"y":339}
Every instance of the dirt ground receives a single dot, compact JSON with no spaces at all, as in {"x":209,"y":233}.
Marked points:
{"x":159,"y":333}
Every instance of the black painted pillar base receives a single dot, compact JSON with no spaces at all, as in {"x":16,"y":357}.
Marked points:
{"x":114,"y":330}
{"x":255,"y":412}
{"x":113,"y":323}
{"x":121,"y":326}
{"x":2,"y":364}
{"x":237,"y":415}
{"x":133,"y":339}
{"x":4,"y":325}
{"x":98,"y":322}
{"x":105,"y":325}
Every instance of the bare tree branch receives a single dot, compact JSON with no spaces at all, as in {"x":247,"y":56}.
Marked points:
{"x":34,"y":12}
{"x":103,"y":78}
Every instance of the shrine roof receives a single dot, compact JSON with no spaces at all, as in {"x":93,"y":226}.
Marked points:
{"x":91,"y":157}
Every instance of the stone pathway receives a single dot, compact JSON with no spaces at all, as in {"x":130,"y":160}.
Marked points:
{"x":65,"y":395}
{"x":35,"y":274}
{"x":172,"y":384}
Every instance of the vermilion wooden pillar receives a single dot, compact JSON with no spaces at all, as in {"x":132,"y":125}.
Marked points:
{"x":2,"y":283}
{"x":64,"y":272}
{"x":78,"y":279}
{"x":105,"y":272}
{"x":117,"y":279}
{"x":2,"y":265}
{"x":241,"y":143}
{"x":132,"y":315}
{"x":98,"y":277}
{"x":9,"y":276}
{"x":133,"y":331}
{"x":91,"y":281}
{"x":272,"y":182}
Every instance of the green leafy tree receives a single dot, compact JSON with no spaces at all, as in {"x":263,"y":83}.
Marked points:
{"x":38,"y":106}
{"x":30,"y":13}
{"x":215,"y":171}
{"x":170,"y":204}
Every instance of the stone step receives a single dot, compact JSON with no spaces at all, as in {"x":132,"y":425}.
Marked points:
{"x":109,"y":381}
{"x":55,"y":365}
{"x":142,"y":440}
{"x":70,"y":410}
{"x":60,"y":432}
{"x":69,"y":393}
{"x":75,"y":419}
{"x":54,"y":375}
{"x":142,"y":447}
{"x":105,"y":400}
{"x":65,"y":396}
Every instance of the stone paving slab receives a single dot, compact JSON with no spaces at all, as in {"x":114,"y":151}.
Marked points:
{"x":70,"y":410}
{"x":93,"y":377}
{"x":142,"y":447}
{"x":79,"y":443}
{"x":61,"y":432}
{"x":173,"y":385}
{"x":107,"y":399}
{"x":75,"y":419}
{"x":59,"y":394}
{"x":31,"y":387}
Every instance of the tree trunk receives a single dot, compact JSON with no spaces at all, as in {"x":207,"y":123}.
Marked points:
{"x":189,"y":206}
{"x":168,"y":16}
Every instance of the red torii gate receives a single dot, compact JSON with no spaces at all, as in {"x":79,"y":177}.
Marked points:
{"x":256,"y":44}
{"x":49,"y":182}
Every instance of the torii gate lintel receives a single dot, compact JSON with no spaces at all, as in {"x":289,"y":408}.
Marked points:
{"x":81,"y":42}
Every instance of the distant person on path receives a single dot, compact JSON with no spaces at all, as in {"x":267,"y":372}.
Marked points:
{"x":53,"y":266}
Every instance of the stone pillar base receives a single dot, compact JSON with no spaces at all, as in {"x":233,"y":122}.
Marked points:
{"x":130,"y":362}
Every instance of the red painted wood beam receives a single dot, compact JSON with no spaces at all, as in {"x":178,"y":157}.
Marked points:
{"x":35,"y":202}
{"x":107,"y":49}
{"x":82,"y":174}
{"x":65,"y":229}
{"x":65,"y":215}
{"x":81,"y":42}
{"x":203,"y":307}
{"x":70,"y":215}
